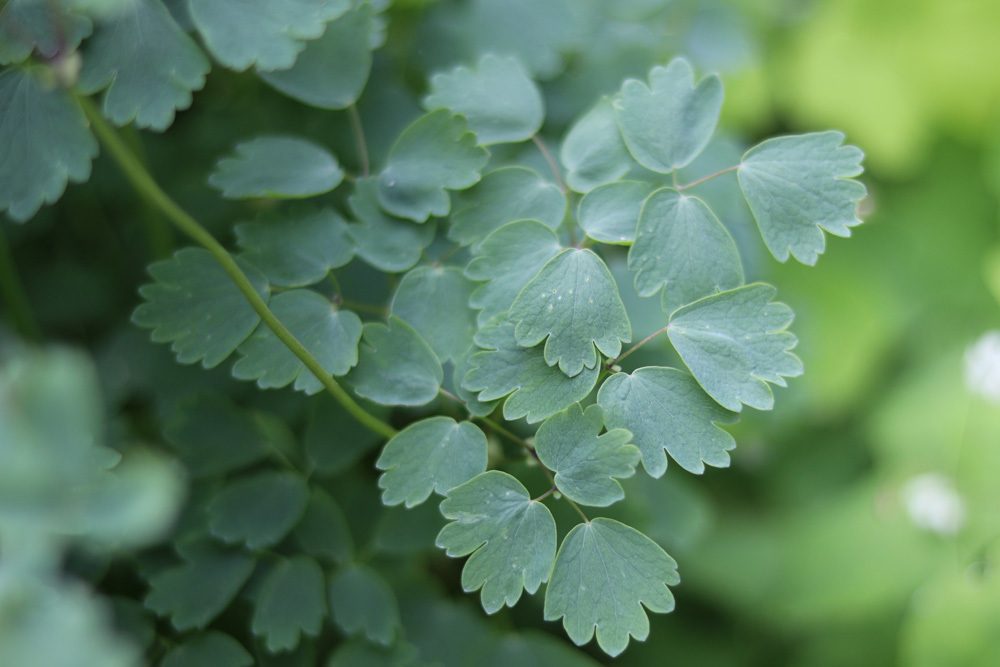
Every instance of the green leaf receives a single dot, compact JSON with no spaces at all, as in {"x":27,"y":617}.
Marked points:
{"x":266,"y":33}
{"x":682,"y":248}
{"x":396,"y":366}
{"x":572,"y":304}
{"x":506,"y":260}
{"x":668,"y":123}
{"x":434,"y":154}
{"x":276,"y":167}
{"x":586,"y":464}
{"x":665,"y":409}
{"x":194,"y":305}
{"x":511,"y":537}
{"x":387,"y":243}
{"x":475,"y":407}
{"x":323,"y":531}
{"x":497,"y":97}
{"x":195,"y":592}
{"x":538,"y":33}
{"x":536,"y":389}
{"x":297,"y":251}
{"x":332,"y":336}
{"x":504,"y":195}
{"x":334,"y":440}
{"x":213,"y":437}
{"x":799,"y":186}
{"x":208,"y":649}
{"x":735,"y":342}
{"x":604,"y":574}
{"x":331,"y":71}
{"x":147,"y":63}
{"x":258,"y":510}
{"x":290,"y":603}
{"x":28,"y":26}
{"x":359,"y":653}
{"x":593,"y":152}
{"x":432,"y":455}
{"x":532,"y":648}
{"x":363,"y":603}
{"x":610,"y":213}
{"x":434,"y":300}
{"x":45,"y":138}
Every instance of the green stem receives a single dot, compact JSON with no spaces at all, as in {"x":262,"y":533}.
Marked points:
{"x":148,"y":188}
{"x":13,"y":294}
{"x":551,"y":161}
{"x":359,"y":140}
{"x":635,"y":347}
{"x":699,"y":181}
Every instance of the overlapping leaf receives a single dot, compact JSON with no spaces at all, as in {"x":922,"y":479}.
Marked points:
{"x":396,"y":366}
{"x":432,"y":455}
{"x":610,"y":213}
{"x":681,"y":247}
{"x":147,"y":63}
{"x":586,"y":462}
{"x":434,"y":154}
{"x":30,"y":26}
{"x":505,"y":261}
{"x":735,"y":343}
{"x":434,"y":300}
{"x":534,"y":389}
{"x":323,"y":531}
{"x":667,"y":123}
{"x":281,"y":167}
{"x":604,"y":574}
{"x":573,"y":305}
{"x":665,"y":409}
{"x":329,"y":333}
{"x":299,"y":250}
{"x":362,"y":603}
{"x":196,"y":307}
{"x":45,"y":138}
{"x":497,"y":97}
{"x":385,"y":242}
{"x":268,"y":34}
{"x":511,"y":537}
{"x":799,"y":186}
{"x":289,"y":604}
{"x":504,"y":195}
{"x":258,"y":510}
{"x":593,"y":152}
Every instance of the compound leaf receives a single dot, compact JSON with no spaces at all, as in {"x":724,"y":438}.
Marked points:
{"x":504,"y":195}
{"x":385,"y":242}
{"x":434,"y":154}
{"x":800,"y":185}
{"x":46,"y":141}
{"x":297,"y":251}
{"x":258,"y":510}
{"x":604,"y":574}
{"x":195,"y":592}
{"x":573,"y":302}
{"x":434,"y":300}
{"x":735,"y":342}
{"x":681,"y":246}
{"x":586,"y":464}
{"x":668,"y":123}
{"x":536,"y":390}
{"x":593,"y":152}
{"x":266,"y":33}
{"x":276,"y":167}
{"x":194,"y":305}
{"x":610,"y":213}
{"x":331,"y":71}
{"x":396,"y":366}
{"x":208,"y":649}
{"x":363,"y":603}
{"x":665,"y":409}
{"x":505,"y":261}
{"x":147,"y":63}
{"x":511,"y":537}
{"x":332,"y":336}
{"x":432,"y":455}
{"x":497,"y":97}
{"x":290,"y":603}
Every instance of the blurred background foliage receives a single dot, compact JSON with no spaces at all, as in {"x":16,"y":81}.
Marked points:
{"x":858,"y":524}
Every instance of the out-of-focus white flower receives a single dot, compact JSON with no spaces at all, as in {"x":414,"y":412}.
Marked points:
{"x":933,"y":503}
{"x":982,"y":367}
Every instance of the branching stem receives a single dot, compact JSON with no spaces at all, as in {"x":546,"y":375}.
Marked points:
{"x":703,"y":179}
{"x":148,"y":188}
{"x":635,"y":347}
